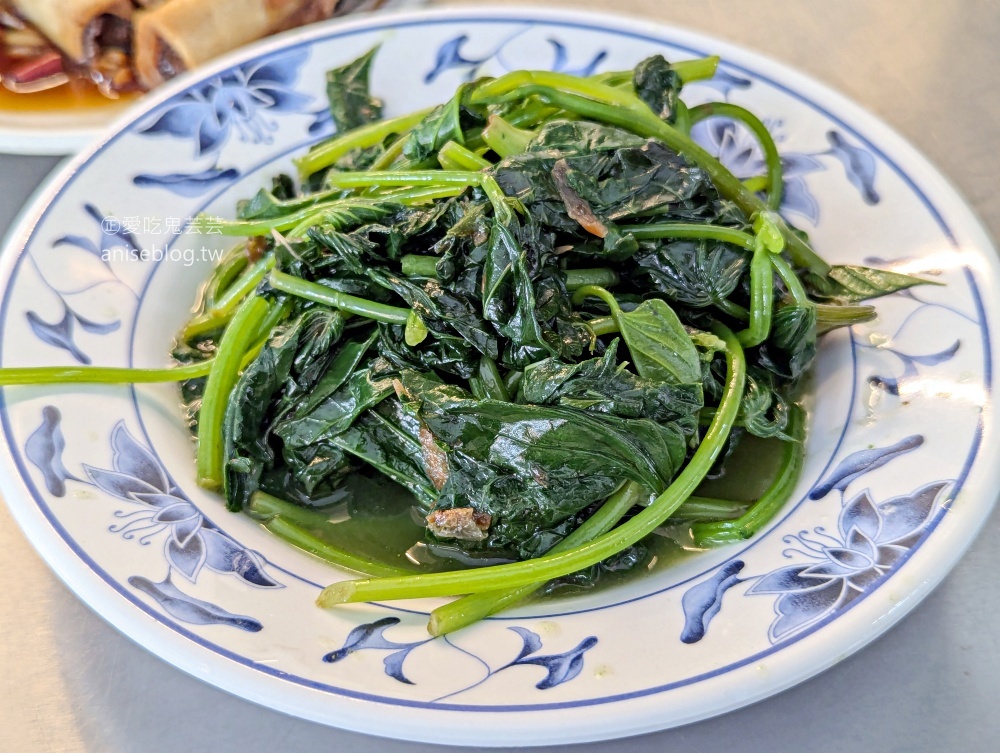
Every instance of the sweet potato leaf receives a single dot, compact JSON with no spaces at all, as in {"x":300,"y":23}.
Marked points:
{"x":659,"y":345}
{"x":349,"y":95}
{"x":288,"y":367}
{"x":856,"y":283}
{"x":658,"y":85}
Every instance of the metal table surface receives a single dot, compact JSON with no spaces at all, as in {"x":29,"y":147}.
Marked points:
{"x":69,"y":682}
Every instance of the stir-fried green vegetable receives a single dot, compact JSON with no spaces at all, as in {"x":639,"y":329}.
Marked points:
{"x":540,"y":307}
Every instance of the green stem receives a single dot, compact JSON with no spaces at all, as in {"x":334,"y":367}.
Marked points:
{"x":310,"y":214}
{"x":601,"y":276}
{"x":682,"y":118}
{"x":772,"y":159}
{"x":781,"y":488}
{"x":360,"y":138}
{"x":314,"y":291}
{"x":584,"y":292}
{"x":458,"y":157}
{"x":692,"y":231}
{"x":236,"y":341}
{"x":698,"y":69}
{"x":709,"y":509}
{"x":216,"y":317}
{"x":20,"y":375}
{"x":603,"y":325}
{"x":732,"y":309}
{"x":761,"y":299}
{"x":552,"y":566}
{"x":224,"y":275}
{"x":505,"y":138}
{"x":17,"y":375}
{"x":414,"y":265}
{"x":474,"y":607}
{"x":384,"y":162}
{"x":405,"y":178}
{"x":792,"y":282}
{"x":531,"y":114}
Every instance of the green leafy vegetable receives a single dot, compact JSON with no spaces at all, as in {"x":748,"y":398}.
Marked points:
{"x":854,"y":283}
{"x":351,"y":103}
{"x":517,"y":306}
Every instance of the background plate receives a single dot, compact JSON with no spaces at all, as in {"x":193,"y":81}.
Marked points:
{"x":68,"y":131}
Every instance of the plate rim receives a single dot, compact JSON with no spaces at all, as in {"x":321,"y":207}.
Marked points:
{"x":868,"y":124}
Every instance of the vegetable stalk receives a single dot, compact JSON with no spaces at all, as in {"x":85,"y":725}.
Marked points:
{"x":474,"y":607}
{"x":235,"y":343}
{"x":776,"y":495}
{"x":555,"y":565}
{"x":360,"y":138}
{"x":313,"y":291}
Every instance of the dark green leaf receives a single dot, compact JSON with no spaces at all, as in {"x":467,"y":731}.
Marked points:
{"x":442,"y":124}
{"x":792,"y":346}
{"x":659,"y":345}
{"x":692,"y":273}
{"x":530,"y":465}
{"x":658,"y":85}
{"x":347,"y":88}
{"x":288,"y":366}
{"x":564,"y":138}
{"x":337,"y":412}
{"x":763,"y":411}
{"x":388,"y":440}
{"x":602,"y":385}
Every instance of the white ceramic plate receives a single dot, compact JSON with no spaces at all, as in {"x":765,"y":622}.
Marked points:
{"x":67,"y":131}
{"x":897,"y":481}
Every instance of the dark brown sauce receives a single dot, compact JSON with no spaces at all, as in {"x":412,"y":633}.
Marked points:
{"x":74,"y":95}
{"x":66,"y":88}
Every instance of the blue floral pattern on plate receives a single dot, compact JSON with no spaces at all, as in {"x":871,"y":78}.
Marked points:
{"x":883,"y":490}
{"x":192,"y":542}
{"x":735,"y":146}
{"x":61,"y":333}
{"x":559,"y":668}
{"x":239,"y":102}
{"x":871,"y":537}
{"x":450,"y":57}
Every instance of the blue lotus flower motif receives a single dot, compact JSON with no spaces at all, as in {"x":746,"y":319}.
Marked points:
{"x":235,"y":102}
{"x":193,"y":543}
{"x":738,"y":149}
{"x":871,"y":538}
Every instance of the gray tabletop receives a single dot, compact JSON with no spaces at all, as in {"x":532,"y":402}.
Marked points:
{"x":69,"y":682}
